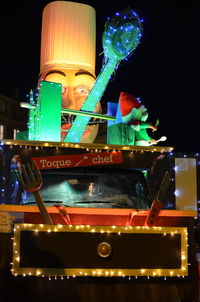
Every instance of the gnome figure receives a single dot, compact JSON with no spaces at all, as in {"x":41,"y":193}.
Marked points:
{"x":135,"y":115}
{"x":68,"y":51}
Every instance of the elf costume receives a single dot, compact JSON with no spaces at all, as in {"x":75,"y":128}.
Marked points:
{"x":130,"y":126}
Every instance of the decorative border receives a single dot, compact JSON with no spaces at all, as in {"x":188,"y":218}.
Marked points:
{"x":95,"y":272}
{"x":41,"y":144}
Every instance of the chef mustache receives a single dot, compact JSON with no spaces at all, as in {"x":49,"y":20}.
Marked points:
{"x":69,"y":118}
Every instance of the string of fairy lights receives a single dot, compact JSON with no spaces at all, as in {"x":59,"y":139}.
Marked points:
{"x":97,"y":272}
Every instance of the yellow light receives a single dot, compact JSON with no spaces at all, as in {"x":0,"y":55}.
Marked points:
{"x":158,"y":271}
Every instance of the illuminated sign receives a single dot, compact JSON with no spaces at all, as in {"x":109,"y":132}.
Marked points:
{"x":78,"y":160}
{"x":84,"y":250}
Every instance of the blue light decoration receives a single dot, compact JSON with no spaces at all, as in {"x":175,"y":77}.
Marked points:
{"x":121,"y":36}
{"x":31,"y":117}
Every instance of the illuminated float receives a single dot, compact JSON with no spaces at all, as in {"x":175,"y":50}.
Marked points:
{"x":103,"y":210}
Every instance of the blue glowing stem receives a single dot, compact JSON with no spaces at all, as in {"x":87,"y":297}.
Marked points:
{"x":79,"y":125}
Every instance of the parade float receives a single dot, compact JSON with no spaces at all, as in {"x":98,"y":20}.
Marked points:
{"x":82,"y":220}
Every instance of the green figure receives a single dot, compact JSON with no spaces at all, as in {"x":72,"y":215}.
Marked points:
{"x":130,"y":126}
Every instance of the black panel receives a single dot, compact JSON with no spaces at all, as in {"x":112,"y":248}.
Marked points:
{"x":79,"y":250}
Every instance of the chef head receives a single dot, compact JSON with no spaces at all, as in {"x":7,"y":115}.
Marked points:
{"x":68,"y":45}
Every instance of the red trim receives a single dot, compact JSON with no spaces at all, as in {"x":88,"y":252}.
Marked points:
{"x":97,"y":211}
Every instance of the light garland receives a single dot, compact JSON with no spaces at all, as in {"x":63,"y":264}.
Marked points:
{"x":97,"y":272}
{"x":99,"y":147}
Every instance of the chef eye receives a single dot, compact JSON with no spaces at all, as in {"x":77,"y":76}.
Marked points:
{"x":82,"y":90}
{"x":64,"y":89}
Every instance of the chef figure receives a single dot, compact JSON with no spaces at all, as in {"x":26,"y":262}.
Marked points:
{"x":68,"y":51}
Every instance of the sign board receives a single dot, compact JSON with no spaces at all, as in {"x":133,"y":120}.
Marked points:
{"x":78,"y":160}
{"x":67,"y":250}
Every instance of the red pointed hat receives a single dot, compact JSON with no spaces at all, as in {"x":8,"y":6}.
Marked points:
{"x":128,"y":102}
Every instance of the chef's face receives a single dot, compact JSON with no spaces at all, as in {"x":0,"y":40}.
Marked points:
{"x":76,"y":85}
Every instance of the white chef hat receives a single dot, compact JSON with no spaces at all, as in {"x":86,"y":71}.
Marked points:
{"x":68,"y":37}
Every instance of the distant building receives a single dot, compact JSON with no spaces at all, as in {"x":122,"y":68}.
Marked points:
{"x":12,"y":117}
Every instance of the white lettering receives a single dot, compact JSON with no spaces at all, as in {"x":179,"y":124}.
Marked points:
{"x":68,"y":162}
{"x":42,"y":161}
{"x":106,"y":159}
{"x":49,"y":164}
{"x":101,"y":160}
{"x":55,"y":163}
{"x":94,"y":160}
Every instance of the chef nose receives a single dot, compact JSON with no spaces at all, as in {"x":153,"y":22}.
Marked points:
{"x":68,"y":98}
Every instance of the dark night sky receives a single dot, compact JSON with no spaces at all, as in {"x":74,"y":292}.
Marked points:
{"x":161,"y":71}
